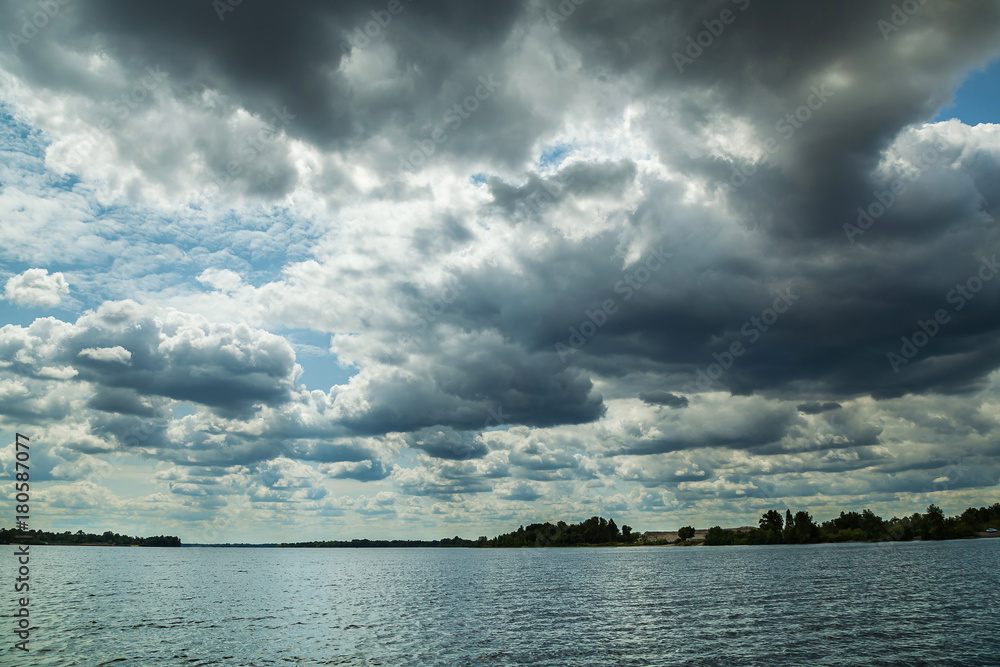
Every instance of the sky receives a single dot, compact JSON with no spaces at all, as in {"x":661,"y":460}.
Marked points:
{"x":422,"y":269}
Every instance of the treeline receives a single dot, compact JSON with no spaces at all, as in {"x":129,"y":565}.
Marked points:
{"x":595,"y":530}
{"x":8,"y":536}
{"x":380,"y":544}
{"x":854,"y":527}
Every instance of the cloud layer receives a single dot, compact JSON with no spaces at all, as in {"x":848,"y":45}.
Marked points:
{"x":451,"y":268}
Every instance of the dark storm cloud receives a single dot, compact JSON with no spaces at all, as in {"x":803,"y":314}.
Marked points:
{"x":855,"y":304}
{"x":450,"y":234}
{"x":288,"y":60}
{"x":750,"y":431}
{"x":815,"y":408}
{"x":663,"y":398}
{"x":582,"y":179}
{"x":846,"y":308}
{"x":769,"y":62}
{"x":849,"y":300}
{"x":365,"y":471}
{"x":123,"y":401}
{"x":321,"y":450}
{"x":135,"y":434}
{"x":765,"y":64}
{"x":447,"y":443}
{"x":468,"y":385}
{"x":521,"y":491}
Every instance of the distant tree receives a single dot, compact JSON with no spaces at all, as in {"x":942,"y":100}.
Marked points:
{"x":685,"y":533}
{"x":804,"y":529}
{"x":771,"y":520}
{"x":80,"y":537}
{"x":594,"y":530}
{"x":933,"y":527}
{"x":788,"y":534}
{"x":872,"y":525}
{"x":718,"y":537}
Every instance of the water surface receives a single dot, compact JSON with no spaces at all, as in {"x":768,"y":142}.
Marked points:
{"x":831,"y":604}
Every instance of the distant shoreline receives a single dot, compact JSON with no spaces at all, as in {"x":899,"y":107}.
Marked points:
{"x":692,"y":543}
{"x":96,"y":544}
{"x":82,"y":539}
{"x":597,"y":532}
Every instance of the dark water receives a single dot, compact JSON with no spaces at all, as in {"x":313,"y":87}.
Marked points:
{"x":850,"y":604}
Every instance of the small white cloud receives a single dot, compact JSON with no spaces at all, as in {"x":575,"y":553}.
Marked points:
{"x":57,"y":372}
{"x":36,"y":287}
{"x":223,"y":280}
{"x":117,"y":354}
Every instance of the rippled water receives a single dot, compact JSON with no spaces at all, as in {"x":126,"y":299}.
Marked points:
{"x":848,"y":604}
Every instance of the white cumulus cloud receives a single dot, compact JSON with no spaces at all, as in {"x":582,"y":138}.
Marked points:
{"x":37,"y":287}
{"x":117,"y":354}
